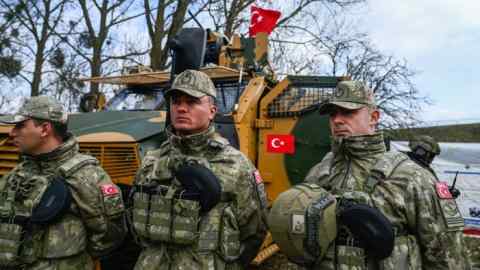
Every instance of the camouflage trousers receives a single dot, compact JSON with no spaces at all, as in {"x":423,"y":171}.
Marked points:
{"x":276,"y":262}
{"x":154,"y":258}
{"x":82,"y":261}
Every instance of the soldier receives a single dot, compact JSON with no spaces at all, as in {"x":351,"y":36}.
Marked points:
{"x":423,"y":150}
{"x":58,"y":208}
{"x":198,"y":202}
{"x":391,"y":214}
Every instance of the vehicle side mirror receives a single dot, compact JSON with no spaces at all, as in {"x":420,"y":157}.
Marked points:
{"x":188,"y":48}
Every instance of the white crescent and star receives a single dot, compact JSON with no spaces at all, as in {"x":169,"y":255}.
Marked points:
{"x":277,"y":143}
{"x":256,"y":18}
{"x":443,"y":190}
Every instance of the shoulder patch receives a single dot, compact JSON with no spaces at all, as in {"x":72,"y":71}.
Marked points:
{"x":109,"y":190}
{"x":258,"y":177}
{"x":260,"y":189}
{"x":442,"y":190}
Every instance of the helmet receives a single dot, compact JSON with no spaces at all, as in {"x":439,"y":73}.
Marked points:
{"x":426,"y":142}
{"x":302,"y":222}
{"x":424,"y":148}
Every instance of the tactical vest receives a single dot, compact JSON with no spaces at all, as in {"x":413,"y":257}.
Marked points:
{"x":165,"y":219}
{"x":347,"y":250}
{"x":21,"y":241}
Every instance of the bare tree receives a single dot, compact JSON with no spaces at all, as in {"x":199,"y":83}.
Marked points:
{"x":65,"y":85}
{"x":227,"y":15}
{"x":163,"y":22}
{"x":90,"y":35}
{"x":10,"y":64}
{"x":392,"y":81}
{"x":230,"y":15}
{"x":330,"y":44}
{"x":32,"y":30}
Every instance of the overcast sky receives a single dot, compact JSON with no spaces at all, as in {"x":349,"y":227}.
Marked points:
{"x":438,"y":38}
{"x":441,"y":40}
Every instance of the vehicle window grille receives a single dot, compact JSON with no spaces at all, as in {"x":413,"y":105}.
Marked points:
{"x":9,"y":156}
{"x":228,"y":94}
{"x":119,"y":160}
{"x":296,"y":100}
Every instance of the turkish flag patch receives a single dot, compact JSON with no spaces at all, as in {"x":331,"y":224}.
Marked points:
{"x":109,"y":190}
{"x":258,"y":177}
{"x":442,"y":190}
{"x":281,"y":144}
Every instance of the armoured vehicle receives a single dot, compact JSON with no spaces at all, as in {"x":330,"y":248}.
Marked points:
{"x":273,"y":121}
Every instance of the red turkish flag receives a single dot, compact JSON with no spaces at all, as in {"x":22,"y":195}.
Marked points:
{"x":262,"y":20}
{"x":281,"y":144}
{"x":109,"y":190}
{"x":442,"y":190}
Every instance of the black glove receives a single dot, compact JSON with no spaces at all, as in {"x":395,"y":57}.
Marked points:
{"x":200,"y":184}
{"x":54,"y":203}
{"x":374,"y":231}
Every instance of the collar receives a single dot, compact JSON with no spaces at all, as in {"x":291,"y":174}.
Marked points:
{"x":358,"y":147}
{"x":62,"y":153}
{"x":196,"y":143}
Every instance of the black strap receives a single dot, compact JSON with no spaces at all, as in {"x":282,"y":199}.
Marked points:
{"x":312,"y":218}
{"x":17,"y":219}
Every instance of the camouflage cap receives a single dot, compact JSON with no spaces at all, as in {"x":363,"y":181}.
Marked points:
{"x":426,"y":142}
{"x":40,"y":107}
{"x":194,"y":83}
{"x":350,"y":95}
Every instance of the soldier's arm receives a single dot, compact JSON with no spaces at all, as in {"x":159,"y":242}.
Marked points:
{"x":438,"y":229}
{"x":100,"y":205}
{"x":251,"y":213}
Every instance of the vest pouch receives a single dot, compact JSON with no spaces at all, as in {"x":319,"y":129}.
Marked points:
{"x":349,"y":257}
{"x":186,"y":215}
{"x":140,"y":213}
{"x":209,"y":231}
{"x":10,"y":242}
{"x":208,"y":244}
{"x":159,"y":219}
{"x":229,"y":244}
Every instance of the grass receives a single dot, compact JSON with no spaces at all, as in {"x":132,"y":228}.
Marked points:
{"x":451,"y":133}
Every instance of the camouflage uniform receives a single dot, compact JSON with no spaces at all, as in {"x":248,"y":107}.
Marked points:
{"x":173,"y":233}
{"x":90,"y":227}
{"x":427,"y":224}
